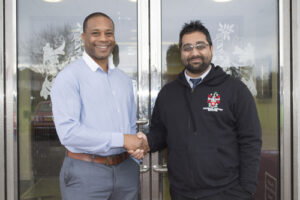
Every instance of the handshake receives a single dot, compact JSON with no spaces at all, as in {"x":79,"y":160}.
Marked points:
{"x":136,"y":145}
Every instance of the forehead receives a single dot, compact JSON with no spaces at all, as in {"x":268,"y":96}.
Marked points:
{"x":193,"y":38}
{"x":99,"y":22}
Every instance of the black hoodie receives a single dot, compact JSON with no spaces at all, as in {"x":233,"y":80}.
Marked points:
{"x":212,"y":133}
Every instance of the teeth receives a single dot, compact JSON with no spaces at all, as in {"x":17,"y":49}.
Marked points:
{"x":102,"y":47}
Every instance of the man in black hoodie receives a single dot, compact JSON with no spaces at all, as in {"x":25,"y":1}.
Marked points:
{"x":209,"y":123}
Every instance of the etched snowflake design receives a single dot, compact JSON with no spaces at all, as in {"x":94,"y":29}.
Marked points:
{"x":245,"y":55}
{"x":226,"y":30}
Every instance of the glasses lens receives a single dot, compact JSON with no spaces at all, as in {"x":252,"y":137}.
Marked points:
{"x":201,"y":46}
{"x":187,"y":47}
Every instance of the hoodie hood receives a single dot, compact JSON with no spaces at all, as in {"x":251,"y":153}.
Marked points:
{"x":215,"y":77}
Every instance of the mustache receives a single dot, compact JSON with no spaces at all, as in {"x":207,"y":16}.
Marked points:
{"x":195,"y":57}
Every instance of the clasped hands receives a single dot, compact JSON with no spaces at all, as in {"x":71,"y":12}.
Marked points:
{"x":136,"y":145}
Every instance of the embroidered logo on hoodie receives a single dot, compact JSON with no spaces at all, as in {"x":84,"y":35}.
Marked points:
{"x":213,"y":102}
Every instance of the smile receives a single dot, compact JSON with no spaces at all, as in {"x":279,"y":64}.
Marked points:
{"x":196,"y":60}
{"x":102,"y":47}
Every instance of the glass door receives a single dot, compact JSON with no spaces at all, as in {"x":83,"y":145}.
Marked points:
{"x":246,"y":45}
{"x":245,"y":38}
{"x":49,"y":37}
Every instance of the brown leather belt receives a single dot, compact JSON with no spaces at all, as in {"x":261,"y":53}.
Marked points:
{"x":107,"y":160}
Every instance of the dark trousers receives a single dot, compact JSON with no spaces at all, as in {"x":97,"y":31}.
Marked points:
{"x":233,"y":193}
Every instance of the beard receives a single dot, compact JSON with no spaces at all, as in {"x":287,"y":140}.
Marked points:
{"x":198,"y":68}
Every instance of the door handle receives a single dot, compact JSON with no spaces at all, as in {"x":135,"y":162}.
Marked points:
{"x":160,"y":168}
{"x":144,"y":169}
{"x":141,"y":122}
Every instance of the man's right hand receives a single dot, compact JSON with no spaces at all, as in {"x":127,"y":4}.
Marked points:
{"x":141,"y":152}
{"x":132,"y":142}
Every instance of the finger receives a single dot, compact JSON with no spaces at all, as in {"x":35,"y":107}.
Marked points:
{"x":130,"y":152}
{"x":137,"y":154}
{"x":140,"y":135}
{"x":142,"y":154}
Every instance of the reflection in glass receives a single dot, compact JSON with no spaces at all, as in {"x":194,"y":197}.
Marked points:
{"x":48,"y":39}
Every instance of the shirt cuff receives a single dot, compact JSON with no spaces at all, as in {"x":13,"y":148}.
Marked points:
{"x":117,"y":140}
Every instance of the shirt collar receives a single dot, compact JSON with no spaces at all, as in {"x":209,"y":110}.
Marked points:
{"x":93,"y":65}
{"x":202,"y":76}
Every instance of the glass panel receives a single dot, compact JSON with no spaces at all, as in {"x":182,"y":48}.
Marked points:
{"x":48,"y":39}
{"x":245,"y":39}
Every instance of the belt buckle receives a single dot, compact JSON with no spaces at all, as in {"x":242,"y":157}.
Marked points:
{"x":108,"y":159}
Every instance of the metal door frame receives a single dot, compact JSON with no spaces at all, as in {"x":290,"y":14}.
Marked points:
{"x":289,"y":113}
{"x":143,"y":87}
{"x":295,"y":18}
{"x":285,"y":107}
{"x":10,"y":68}
{"x":2,"y":143}
{"x":155,"y":85}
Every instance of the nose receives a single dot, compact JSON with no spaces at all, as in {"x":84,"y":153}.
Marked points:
{"x":102,"y":37}
{"x":195,"y":52}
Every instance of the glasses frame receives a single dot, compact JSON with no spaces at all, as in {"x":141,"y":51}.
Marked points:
{"x":190,"y":47}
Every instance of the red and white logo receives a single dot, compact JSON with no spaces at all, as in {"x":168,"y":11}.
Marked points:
{"x":213,"y":102}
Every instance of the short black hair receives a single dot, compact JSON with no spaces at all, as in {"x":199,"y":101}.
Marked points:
{"x":95,"y":14}
{"x":194,"y":26}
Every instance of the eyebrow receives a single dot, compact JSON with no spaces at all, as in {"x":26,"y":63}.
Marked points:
{"x":96,"y":29}
{"x":198,"y":42}
{"x":201,"y":42}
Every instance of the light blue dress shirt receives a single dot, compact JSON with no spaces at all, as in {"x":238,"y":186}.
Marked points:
{"x":92,"y":109}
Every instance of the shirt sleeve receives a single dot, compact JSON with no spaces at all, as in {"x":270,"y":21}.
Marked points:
{"x":67,"y":108}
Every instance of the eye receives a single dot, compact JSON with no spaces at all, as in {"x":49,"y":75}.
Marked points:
{"x":95,"y":33}
{"x":201,"y":46}
{"x":109,"y":34}
{"x":187,"y":47}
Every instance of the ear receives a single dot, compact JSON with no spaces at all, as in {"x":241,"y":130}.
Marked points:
{"x":83,"y":37}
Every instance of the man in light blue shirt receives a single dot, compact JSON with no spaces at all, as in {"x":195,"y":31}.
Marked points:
{"x":95,"y":118}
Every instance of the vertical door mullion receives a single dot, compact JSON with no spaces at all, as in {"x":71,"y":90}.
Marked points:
{"x":296,"y":95}
{"x":143,"y":87}
{"x":285,"y":99}
{"x":155,"y":63}
{"x":11,"y":100}
{"x":2,"y":150}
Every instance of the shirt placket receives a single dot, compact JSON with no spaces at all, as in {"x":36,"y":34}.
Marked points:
{"x":115,"y":105}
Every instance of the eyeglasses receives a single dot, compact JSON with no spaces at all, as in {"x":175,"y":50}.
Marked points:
{"x":189,"y":47}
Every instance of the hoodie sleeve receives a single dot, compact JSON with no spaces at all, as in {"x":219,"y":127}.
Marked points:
{"x":157,"y":135}
{"x":249,"y":138}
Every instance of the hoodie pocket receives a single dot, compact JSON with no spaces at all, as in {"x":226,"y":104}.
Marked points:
{"x":207,"y":169}
{"x":178,"y":168}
